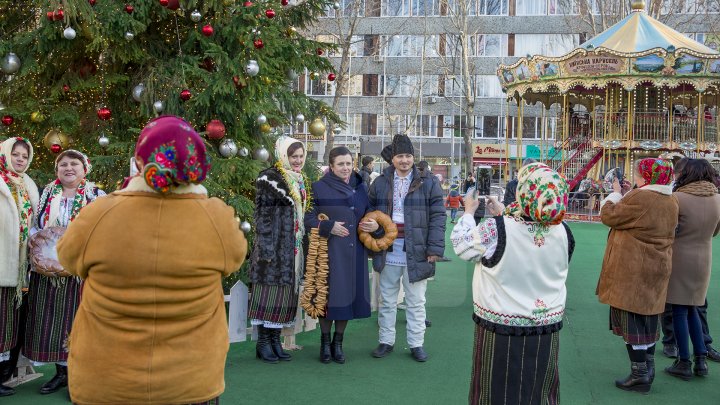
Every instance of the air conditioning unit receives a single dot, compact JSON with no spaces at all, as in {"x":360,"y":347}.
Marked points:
{"x":378,"y":58}
{"x":432,"y":100}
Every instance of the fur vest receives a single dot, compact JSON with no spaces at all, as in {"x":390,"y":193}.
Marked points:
{"x":10,"y":233}
{"x":273,"y":254}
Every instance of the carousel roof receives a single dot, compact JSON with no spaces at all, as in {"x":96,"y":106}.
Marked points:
{"x":640,"y":32}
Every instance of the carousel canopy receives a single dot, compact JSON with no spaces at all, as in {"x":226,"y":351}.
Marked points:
{"x":639,"y":50}
{"x":639,"y":32}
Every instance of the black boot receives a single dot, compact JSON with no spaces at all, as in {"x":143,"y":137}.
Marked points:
{"x":60,"y":380}
{"x":681,"y":369}
{"x":638,"y":380}
{"x":277,"y":346}
{"x":325,"y":347}
{"x":336,"y":348}
{"x":700,"y":368}
{"x":651,"y":367}
{"x":263,"y":349}
{"x":6,"y":391}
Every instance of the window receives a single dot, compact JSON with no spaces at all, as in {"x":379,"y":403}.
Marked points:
{"x":492,"y":7}
{"x":354,"y":125}
{"x":393,"y":124}
{"x":410,"y":45}
{"x":531,"y":7}
{"x":563,"y":7}
{"x":348,"y":8}
{"x":398,"y":86}
{"x":425,"y":125}
{"x":453,"y":86}
{"x":320,"y":87}
{"x":491,"y":126}
{"x":454,"y":125}
{"x":395,"y":8}
{"x":492,"y":45}
{"x":355,"y":86}
{"x":545,"y":44}
{"x":488,"y":86}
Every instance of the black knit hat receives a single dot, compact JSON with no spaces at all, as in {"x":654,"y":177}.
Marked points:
{"x":386,"y":154}
{"x":401,"y":144}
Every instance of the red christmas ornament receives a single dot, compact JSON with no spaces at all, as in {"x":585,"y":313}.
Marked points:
{"x":238,"y":84}
{"x":66,"y":88}
{"x":208,"y":30}
{"x":320,"y":52}
{"x":58,"y":15}
{"x":173,"y":5}
{"x":55,"y":148}
{"x":270,"y":13}
{"x":331,"y":77}
{"x":185,"y":95}
{"x":8,"y":120}
{"x":104,"y":113}
{"x":258,"y":43}
{"x":284,"y":2}
{"x":215,"y":129}
{"x":129,"y":8}
{"x":164,"y":3}
{"x":92,"y":2}
{"x":207,"y":64}
{"x":50,"y":16}
{"x":248,"y":4}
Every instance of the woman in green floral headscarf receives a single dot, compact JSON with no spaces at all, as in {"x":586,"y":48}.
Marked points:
{"x":521,"y":258}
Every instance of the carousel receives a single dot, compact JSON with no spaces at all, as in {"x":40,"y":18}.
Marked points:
{"x":638,"y":89}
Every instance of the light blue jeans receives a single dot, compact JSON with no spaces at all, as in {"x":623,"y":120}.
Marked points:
{"x":390,"y":279}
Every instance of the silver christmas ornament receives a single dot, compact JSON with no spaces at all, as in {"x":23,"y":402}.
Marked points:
{"x":337,"y":130}
{"x":137,"y":92}
{"x":228,"y":148}
{"x":261,"y":119}
{"x":195,"y":16}
{"x":336,"y":5}
{"x":129,"y":36}
{"x":245,"y":226}
{"x":104,"y":140}
{"x":10,"y":63}
{"x":261,"y":154}
{"x":244,"y":152}
{"x":300,"y":118}
{"x":69,"y":33}
{"x":158,"y":106}
{"x":252,"y":68}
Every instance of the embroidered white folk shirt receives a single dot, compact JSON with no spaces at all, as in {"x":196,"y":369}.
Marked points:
{"x":525,"y":286}
{"x":401,"y":185}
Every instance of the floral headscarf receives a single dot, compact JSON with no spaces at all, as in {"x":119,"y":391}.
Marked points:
{"x":656,"y":171}
{"x":85,"y":160}
{"x":171,"y":154}
{"x":542,"y":196}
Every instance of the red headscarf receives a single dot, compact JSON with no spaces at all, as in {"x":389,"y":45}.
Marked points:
{"x":656,"y":171}
{"x":171,"y":153}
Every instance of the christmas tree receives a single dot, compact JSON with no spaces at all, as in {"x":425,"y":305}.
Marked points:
{"x":89,"y":74}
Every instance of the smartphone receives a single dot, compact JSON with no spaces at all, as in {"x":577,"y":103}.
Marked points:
{"x":483,"y":178}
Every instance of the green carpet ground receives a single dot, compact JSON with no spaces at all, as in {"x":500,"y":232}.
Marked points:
{"x":590,"y":356}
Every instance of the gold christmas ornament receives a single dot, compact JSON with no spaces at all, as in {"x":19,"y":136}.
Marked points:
{"x":291,"y":31}
{"x":37,"y":116}
{"x":265,"y":128}
{"x":266,"y":80}
{"x":317,"y":127}
{"x":55,"y":137}
{"x":314,"y":75}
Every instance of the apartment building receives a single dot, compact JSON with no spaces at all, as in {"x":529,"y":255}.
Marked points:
{"x":406,"y":70}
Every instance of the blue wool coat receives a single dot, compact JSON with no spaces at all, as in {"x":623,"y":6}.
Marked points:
{"x":349,"y":292}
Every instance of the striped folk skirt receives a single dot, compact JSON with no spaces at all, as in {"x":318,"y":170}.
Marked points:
{"x":52,"y":305}
{"x":273,"y":303}
{"x":634,"y":328}
{"x":9,"y":319}
{"x":519,"y":370}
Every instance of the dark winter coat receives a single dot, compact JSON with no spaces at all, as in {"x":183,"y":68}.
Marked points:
{"x":349,"y":292}
{"x":425,"y":219}
{"x":273,"y":255}
{"x":510,"y":190}
{"x":365,"y":174}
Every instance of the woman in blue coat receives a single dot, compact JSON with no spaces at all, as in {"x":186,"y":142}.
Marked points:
{"x":342,"y":196}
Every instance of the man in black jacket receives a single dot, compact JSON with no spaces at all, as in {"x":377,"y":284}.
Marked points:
{"x":511,"y":186}
{"x":415,"y":203}
{"x":367,"y":169}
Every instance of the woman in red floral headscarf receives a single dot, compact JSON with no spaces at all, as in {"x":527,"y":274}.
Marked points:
{"x":637,"y":264}
{"x":53,"y":301}
{"x":151,"y":327}
{"x":18,"y":203}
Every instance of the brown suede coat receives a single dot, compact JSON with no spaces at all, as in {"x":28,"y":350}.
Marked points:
{"x":638,"y":257}
{"x":151,"y":327}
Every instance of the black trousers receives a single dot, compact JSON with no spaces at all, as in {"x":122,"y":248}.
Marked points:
{"x":667,"y":325}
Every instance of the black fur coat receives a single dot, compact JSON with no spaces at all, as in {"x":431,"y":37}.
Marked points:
{"x":273,"y":255}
